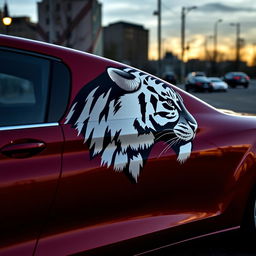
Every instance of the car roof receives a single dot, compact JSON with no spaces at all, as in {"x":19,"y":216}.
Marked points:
{"x":236,"y":73}
{"x":198,"y":73}
{"x":200,"y":78}
{"x":40,"y":47}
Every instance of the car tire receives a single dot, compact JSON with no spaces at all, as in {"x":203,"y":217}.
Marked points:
{"x":246,"y":86}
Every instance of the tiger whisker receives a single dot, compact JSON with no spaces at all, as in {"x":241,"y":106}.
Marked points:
{"x":169,"y":145}
{"x":170,"y":141}
{"x":173,"y":141}
{"x":178,"y":140}
{"x":163,"y":135}
{"x":165,"y":150}
{"x":165,"y":131}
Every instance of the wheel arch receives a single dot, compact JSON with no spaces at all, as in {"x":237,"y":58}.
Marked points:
{"x":244,"y":189}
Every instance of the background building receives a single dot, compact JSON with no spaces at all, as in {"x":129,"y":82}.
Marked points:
{"x":20,"y":26}
{"x":127,"y":43}
{"x":71,"y":23}
{"x":16,"y":26}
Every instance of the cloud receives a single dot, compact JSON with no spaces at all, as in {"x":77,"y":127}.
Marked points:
{"x":125,"y":11}
{"x":219,"y":7}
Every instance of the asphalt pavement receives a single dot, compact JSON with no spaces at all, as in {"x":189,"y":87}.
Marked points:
{"x":232,"y":242}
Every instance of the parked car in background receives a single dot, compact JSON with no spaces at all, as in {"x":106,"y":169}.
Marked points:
{"x":196,"y":73}
{"x":99,"y":158}
{"x":234,"y":79}
{"x":218,"y":84}
{"x":170,"y":77}
{"x":198,"y":84}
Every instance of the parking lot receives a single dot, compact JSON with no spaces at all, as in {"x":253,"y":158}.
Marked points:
{"x":238,"y":99}
{"x":230,"y":243}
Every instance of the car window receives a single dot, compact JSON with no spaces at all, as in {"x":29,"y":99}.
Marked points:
{"x":229,"y":75}
{"x":24,"y":83}
{"x":14,"y":90}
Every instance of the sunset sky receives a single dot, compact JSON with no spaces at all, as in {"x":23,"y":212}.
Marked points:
{"x":199,"y":23}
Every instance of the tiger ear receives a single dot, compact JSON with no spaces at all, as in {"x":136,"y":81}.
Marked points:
{"x":124,"y":80}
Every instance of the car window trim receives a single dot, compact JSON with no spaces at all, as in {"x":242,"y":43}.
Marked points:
{"x":27,"y":52}
{"x":28,"y":126}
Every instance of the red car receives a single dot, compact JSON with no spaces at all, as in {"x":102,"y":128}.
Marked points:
{"x":100,"y":158}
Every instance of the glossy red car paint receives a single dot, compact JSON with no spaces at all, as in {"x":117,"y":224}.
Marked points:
{"x":60,"y":201}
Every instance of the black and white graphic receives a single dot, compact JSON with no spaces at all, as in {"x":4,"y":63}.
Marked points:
{"x":123,"y":112}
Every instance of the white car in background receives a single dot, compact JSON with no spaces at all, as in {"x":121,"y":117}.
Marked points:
{"x":218,"y":84}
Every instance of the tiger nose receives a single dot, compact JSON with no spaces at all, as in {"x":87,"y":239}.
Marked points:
{"x":189,"y":120}
{"x":192,"y":122}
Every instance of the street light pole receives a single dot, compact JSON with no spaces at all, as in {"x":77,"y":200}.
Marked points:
{"x":237,"y":25}
{"x":183,"y":17}
{"x":207,"y":54}
{"x":158,"y":13}
{"x":216,"y":39}
{"x":184,"y":11}
{"x":237,"y":45}
{"x":159,"y":38}
{"x":183,"y":20}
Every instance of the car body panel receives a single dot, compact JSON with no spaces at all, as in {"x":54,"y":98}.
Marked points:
{"x":97,"y":207}
{"x":184,"y":198}
{"x":28,"y":184}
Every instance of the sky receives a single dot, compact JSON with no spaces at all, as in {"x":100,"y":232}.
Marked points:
{"x":199,"y":23}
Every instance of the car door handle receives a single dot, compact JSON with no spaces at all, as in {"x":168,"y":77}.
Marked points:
{"x":23,"y":149}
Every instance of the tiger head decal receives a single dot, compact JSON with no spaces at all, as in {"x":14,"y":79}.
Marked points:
{"x":123,"y":112}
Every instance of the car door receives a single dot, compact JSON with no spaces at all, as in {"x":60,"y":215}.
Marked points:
{"x":98,"y":205}
{"x":30,"y":147}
